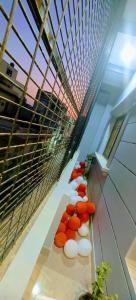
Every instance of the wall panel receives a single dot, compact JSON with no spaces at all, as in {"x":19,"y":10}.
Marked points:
{"x":115,"y":219}
{"x":125,"y":183}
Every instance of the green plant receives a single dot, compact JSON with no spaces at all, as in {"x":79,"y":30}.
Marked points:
{"x":98,"y":292}
{"x":89,"y":162}
{"x":98,"y":288}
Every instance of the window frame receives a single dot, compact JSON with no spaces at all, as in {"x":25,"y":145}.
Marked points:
{"x":112,"y":120}
{"x":115,"y":130}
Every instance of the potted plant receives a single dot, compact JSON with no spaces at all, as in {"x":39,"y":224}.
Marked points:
{"x":98,"y":289}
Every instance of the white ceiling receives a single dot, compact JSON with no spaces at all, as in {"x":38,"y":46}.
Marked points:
{"x":117,"y":74}
{"x":121,"y":40}
{"x":117,"y":77}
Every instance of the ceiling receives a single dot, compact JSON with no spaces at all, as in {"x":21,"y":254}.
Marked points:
{"x":121,"y":41}
{"x":117,"y":76}
{"x":118,"y":73}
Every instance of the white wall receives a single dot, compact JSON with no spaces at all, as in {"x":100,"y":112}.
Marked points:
{"x":86,"y":144}
{"x":105,"y":139}
{"x":127,"y":99}
{"x":129,"y":12}
{"x":114,"y":223}
{"x":101,"y":128}
{"x":18,"y":273}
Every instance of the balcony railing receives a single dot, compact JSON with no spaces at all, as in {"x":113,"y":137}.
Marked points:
{"x":48,"y":55}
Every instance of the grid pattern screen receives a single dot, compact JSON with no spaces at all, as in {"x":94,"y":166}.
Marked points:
{"x":48,"y":54}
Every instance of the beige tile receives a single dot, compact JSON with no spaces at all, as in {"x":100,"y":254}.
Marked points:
{"x":58,"y":277}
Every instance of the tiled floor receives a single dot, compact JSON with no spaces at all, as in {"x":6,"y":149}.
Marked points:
{"x":58,"y":277}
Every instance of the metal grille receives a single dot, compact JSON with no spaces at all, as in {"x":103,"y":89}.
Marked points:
{"x":48,"y":55}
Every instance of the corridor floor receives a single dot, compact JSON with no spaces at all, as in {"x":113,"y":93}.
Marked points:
{"x":58,"y":277}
